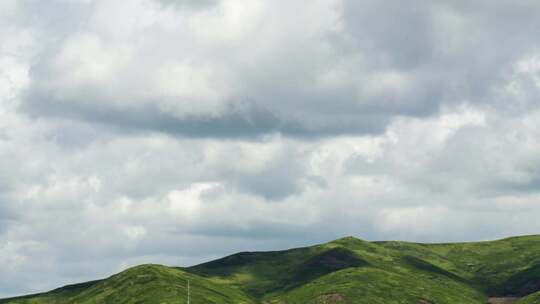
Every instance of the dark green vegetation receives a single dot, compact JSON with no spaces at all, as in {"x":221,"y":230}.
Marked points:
{"x":347,"y":270}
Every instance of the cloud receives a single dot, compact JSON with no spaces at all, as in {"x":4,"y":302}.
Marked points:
{"x":179,"y":131}
{"x":195,"y":81}
{"x":339,"y":67}
{"x":188,"y":3}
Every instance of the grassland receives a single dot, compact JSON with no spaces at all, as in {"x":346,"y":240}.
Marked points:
{"x":348,"y":270}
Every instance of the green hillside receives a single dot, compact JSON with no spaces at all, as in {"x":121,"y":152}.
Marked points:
{"x":531,"y":299}
{"x":347,"y":270}
{"x":142,"y":284}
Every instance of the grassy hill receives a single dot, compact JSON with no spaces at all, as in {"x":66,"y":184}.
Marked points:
{"x":142,"y":284}
{"x":347,"y":270}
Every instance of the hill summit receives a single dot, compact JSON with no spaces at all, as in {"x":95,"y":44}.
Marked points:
{"x":347,"y":270}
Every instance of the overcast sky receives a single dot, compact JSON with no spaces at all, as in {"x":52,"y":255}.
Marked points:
{"x":178,"y":131}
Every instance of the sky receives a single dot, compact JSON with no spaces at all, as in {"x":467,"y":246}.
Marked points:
{"x":179,"y":131}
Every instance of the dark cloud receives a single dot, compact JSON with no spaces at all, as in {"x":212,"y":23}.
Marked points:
{"x":392,"y":34}
{"x":246,"y":120}
{"x":455,"y":50}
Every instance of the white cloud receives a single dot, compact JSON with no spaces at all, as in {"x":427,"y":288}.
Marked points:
{"x":187,"y":203}
{"x":85,"y":61}
{"x":413,"y":222}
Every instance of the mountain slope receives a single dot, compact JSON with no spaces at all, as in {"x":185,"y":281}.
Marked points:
{"x":347,"y":270}
{"x":530,"y":299}
{"x":504,"y":267}
{"x":142,"y":284}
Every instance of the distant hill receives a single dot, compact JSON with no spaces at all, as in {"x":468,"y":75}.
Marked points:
{"x":347,"y":270}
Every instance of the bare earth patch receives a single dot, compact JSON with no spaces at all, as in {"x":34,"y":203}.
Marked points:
{"x":330,"y":298}
{"x":507,"y":300}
